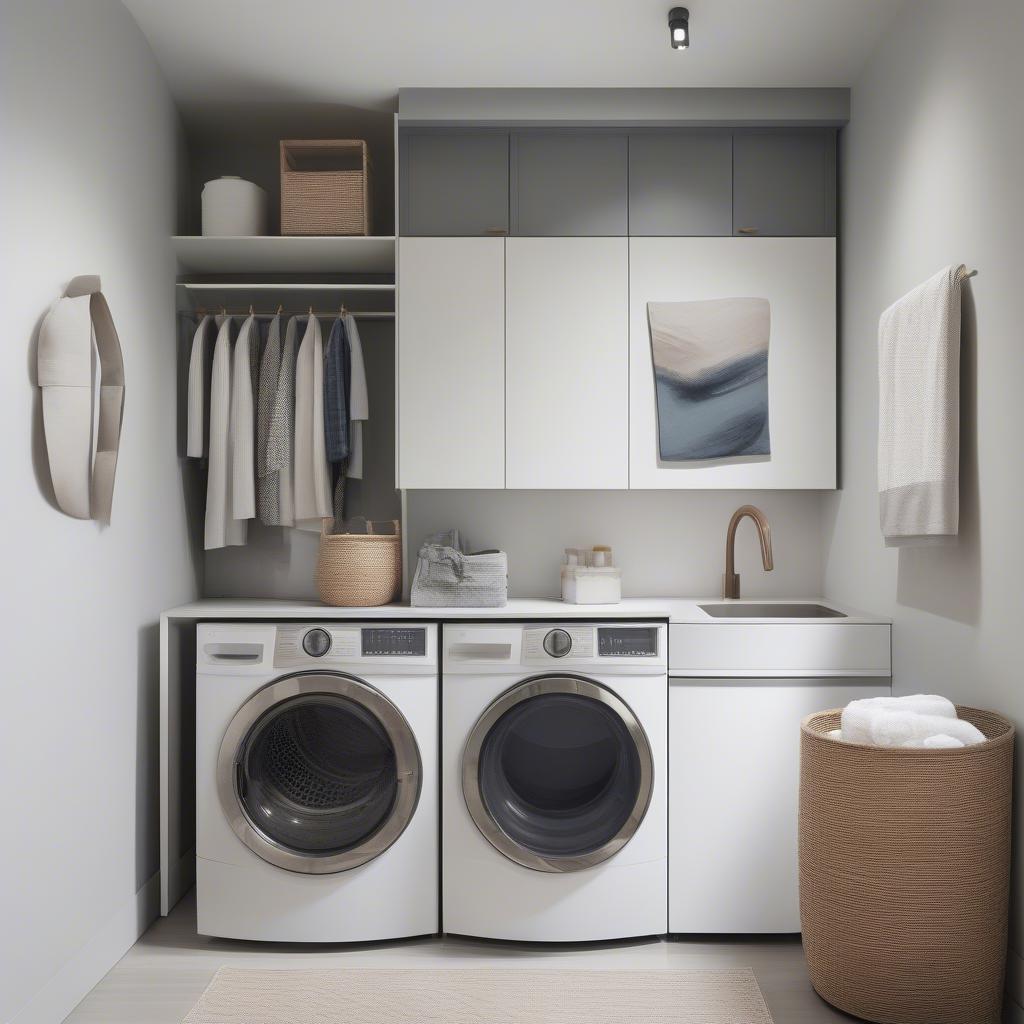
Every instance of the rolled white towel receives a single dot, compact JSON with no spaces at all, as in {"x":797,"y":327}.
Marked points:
{"x":835,"y":734}
{"x":858,"y":714}
{"x":941,"y":741}
{"x":894,"y":728}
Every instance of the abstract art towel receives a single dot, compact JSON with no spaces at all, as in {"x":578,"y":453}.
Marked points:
{"x":711,"y":377}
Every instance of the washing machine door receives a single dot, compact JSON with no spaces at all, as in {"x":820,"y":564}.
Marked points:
{"x":557,"y":773}
{"x":318,"y":773}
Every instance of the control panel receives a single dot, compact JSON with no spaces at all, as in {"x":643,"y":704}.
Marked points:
{"x":544,"y":642}
{"x":390,"y":641}
{"x":627,"y":641}
{"x":327,"y":645}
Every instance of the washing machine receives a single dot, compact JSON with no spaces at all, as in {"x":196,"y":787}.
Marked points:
{"x":316,"y":781}
{"x":554,"y":781}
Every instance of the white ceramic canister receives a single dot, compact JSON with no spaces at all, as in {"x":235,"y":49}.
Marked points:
{"x":234,"y":206}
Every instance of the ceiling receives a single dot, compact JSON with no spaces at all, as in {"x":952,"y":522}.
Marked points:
{"x":230,"y":53}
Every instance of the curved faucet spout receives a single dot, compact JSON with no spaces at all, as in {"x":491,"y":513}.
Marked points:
{"x":731,"y":582}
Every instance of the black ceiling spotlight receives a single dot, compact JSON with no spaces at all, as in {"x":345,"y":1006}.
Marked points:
{"x":679,"y":27}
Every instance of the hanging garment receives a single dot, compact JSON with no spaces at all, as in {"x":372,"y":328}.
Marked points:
{"x":83,"y":478}
{"x":359,"y":400}
{"x":222,"y":529}
{"x":281,"y":434}
{"x":337,"y":374}
{"x":199,"y":367}
{"x":244,"y":373}
{"x":312,"y":475}
{"x":268,"y":500}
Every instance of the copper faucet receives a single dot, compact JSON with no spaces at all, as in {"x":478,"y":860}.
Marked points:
{"x":731,"y":581}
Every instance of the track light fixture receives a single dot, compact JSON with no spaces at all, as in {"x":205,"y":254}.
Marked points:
{"x":679,"y":27}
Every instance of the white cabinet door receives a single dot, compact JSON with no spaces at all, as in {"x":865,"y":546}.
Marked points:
{"x":798,"y":278}
{"x":451,"y":362}
{"x":734,"y":769}
{"x":567,"y":363}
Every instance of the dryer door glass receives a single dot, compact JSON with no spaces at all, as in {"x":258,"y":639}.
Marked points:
{"x":558,"y":774}
{"x":317,"y":774}
{"x":318,"y":777}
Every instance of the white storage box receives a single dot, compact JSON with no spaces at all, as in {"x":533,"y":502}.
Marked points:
{"x":584,"y":584}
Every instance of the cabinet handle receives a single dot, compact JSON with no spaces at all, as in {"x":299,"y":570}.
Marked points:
{"x":496,"y":231}
{"x":747,"y":231}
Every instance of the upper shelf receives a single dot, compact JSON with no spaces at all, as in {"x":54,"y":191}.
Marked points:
{"x":273,"y":254}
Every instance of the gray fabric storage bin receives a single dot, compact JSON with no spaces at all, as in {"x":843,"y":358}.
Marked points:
{"x":447,"y":577}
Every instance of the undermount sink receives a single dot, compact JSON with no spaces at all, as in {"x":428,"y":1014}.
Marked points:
{"x":750,"y":610}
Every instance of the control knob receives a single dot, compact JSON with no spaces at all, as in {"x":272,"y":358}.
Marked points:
{"x":558,"y":643}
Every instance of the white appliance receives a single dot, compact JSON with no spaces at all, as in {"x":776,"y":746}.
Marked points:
{"x":316,"y":781}
{"x":553,"y":776}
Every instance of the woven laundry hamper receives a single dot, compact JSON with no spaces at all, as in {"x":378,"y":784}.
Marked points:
{"x":360,"y":570}
{"x":904,"y":874}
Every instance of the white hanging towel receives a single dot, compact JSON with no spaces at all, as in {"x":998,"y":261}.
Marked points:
{"x":222,"y":529}
{"x":198,"y":388}
{"x":919,"y":412}
{"x":359,"y":400}
{"x":312,"y":473}
{"x":245,"y":363}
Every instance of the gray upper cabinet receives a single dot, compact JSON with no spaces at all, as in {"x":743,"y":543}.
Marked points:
{"x":569,"y":183}
{"x":784,"y":182}
{"x":680,"y":183}
{"x":453,"y":183}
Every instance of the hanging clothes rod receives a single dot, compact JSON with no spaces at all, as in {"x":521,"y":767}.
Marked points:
{"x":221,"y":286}
{"x":359,"y":314}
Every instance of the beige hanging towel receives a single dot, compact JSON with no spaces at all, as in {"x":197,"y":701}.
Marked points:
{"x":312,"y":473}
{"x":82,"y":473}
{"x":919,"y":413}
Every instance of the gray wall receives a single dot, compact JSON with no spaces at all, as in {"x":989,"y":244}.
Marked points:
{"x":933,"y":167}
{"x":91,"y":154}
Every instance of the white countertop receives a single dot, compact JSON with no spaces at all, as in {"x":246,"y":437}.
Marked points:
{"x":681,"y":610}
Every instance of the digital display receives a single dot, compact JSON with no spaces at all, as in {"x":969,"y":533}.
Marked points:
{"x":384,"y":642}
{"x":627,"y":641}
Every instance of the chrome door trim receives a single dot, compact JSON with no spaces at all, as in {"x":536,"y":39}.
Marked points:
{"x":493,"y":832}
{"x":408,"y":770}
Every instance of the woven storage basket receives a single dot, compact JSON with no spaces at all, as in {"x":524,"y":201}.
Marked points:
{"x":904,"y":874}
{"x":325,"y":187}
{"x":359,"y":570}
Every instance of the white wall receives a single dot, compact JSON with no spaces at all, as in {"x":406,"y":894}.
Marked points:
{"x":90,"y":171}
{"x":667,"y":542}
{"x":933,"y":170}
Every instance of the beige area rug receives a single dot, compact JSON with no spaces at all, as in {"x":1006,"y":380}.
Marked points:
{"x":480,"y":996}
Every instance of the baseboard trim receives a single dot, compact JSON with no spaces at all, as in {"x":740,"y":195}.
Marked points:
{"x":79,"y":975}
{"x":1013,"y":1007}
